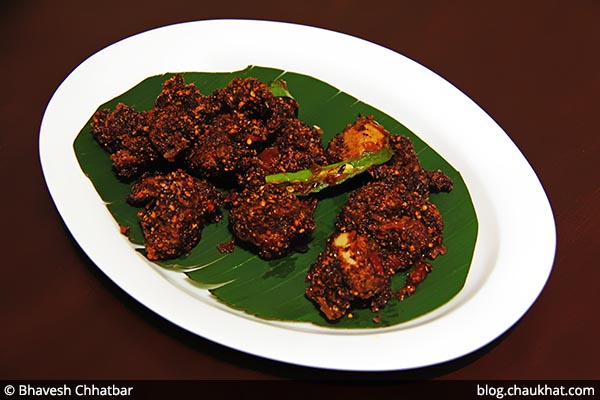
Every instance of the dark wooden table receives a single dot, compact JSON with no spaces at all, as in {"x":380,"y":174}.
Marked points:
{"x":534,"y":66}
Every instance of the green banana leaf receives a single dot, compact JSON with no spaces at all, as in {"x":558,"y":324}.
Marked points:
{"x":275,"y":289}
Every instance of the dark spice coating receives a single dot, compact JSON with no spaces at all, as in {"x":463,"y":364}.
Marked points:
{"x":404,"y":224}
{"x":348,"y":272}
{"x":123,"y":132}
{"x":271,"y":220}
{"x":246,"y":95}
{"x":281,"y":108}
{"x":176,"y":93}
{"x":136,"y":156}
{"x":172,"y":131}
{"x":405,"y":168}
{"x":296,"y":146}
{"x":215,"y":154}
{"x":176,"y":208}
{"x":177,"y":117}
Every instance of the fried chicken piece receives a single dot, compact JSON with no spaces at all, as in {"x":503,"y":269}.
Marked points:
{"x":123,"y":133}
{"x":270,"y":220}
{"x":403,"y":223}
{"x":108,"y":127}
{"x":177,"y":206}
{"x":242,"y":127}
{"x":176,"y":119}
{"x":247,"y":95}
{"x":296,"y":146}
{"x":215,"y":153}
{"x":405,"y":168}
{"x":349,"y":269}
{"x":136,"y":156}
{"x":367,"y":135}
{"x":137,"y":140}
{"x":249,"y":117}
{"x":364,"y":135}
{"x":172,"y":131}
{"x":388,"y":229}
{"x":282,"y":107}
{"x":176,"y":93}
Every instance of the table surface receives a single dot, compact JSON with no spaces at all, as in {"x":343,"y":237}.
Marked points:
{"x":534,"y":66}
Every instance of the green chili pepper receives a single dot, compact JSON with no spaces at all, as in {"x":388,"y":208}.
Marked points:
{"x":313,"y":180}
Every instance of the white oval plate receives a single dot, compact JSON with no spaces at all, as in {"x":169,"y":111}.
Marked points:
{"x":505,"y":190}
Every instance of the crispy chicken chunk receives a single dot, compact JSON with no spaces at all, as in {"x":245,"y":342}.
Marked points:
{"x":246,"y":95}
{"x":270,"y":220}
{"x":348,"y":271}
{"x":405,"y":167}
{"x":391,"y":229}
{"x":177,"y":206}
{"x":296,"y":146}
{"x":364,"y":135}
{"x":177,"y":117}
{"x":405,"y":225}
{"x":124,"y":134}
{"x":247,"y":121}
{"x":215,"y":153}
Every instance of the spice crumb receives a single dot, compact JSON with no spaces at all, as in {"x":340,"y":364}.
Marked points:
{"x":124,"y":230}
{"x":226,"y":247}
